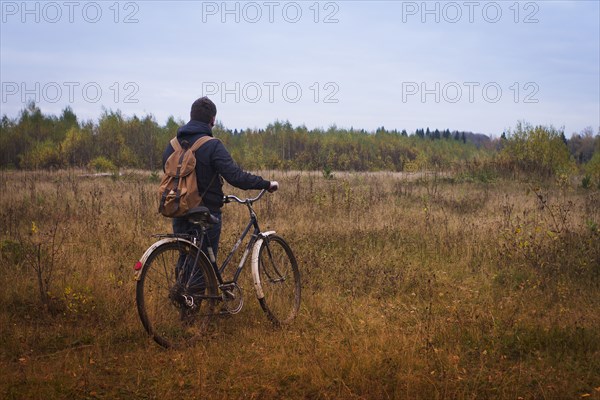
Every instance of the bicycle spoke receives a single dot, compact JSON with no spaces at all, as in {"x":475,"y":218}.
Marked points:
{"x":274,"y":265}
{"x":174,"y":295}
{"x":280,"y":280}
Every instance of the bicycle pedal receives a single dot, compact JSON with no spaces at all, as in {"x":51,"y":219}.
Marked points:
{"x":229,"y":294}
{"x":224,"y":311}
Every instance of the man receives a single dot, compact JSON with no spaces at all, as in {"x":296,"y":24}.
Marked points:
{"x":213,"y":164}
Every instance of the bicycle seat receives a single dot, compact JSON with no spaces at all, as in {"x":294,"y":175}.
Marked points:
{"x":201,"y":215}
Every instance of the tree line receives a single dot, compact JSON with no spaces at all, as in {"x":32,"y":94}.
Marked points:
{"x":36,"y":140}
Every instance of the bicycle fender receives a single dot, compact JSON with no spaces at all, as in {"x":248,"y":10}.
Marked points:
{"x":142,"y":261}
{"x":255,"y":275}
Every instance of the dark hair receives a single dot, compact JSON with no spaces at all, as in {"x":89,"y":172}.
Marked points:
{"x":203,"y":110}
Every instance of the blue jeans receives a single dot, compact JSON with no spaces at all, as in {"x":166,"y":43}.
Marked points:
{"x":213,"y":234}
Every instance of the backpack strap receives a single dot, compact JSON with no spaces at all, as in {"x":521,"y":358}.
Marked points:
{"x":198,"y":143}
{"x":175,"y":143}
{"x":177,"y":146}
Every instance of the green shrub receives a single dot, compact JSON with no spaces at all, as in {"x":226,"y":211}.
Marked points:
{"x":586,"y":182}
{"x":102,"y":164}
{"x":537,"y":150}
{"x":155,"y":177}
{"x":42,"y":155}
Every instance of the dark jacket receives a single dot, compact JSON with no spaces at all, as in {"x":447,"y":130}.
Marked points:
{"x":213,"y":163}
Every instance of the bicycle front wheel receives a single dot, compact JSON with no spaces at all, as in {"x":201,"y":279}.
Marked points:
{"x":279,"y":279}
{"x":176,"y":294}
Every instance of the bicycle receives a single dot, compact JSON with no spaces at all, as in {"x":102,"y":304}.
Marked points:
{"x":179,"y":287}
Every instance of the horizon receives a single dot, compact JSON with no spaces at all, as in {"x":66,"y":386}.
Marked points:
{"x":181,"y":122}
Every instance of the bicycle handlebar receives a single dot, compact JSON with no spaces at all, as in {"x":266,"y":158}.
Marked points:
{"x":230,"y":198}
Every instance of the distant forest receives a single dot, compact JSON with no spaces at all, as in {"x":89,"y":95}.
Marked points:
{"x":35,"y":140}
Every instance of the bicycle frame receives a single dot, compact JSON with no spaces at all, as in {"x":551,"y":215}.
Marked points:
{"x":256,"y":234}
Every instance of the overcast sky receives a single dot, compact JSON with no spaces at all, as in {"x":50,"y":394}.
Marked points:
{"x":479,"y":66}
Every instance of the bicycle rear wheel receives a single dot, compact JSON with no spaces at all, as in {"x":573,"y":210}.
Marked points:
{"x":176,"y":294}
{"x":279,"y":280}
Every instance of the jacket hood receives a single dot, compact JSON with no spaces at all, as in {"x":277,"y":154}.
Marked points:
{"x":194,"y":128}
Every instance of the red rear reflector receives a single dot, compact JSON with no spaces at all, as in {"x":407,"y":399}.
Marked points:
{"x":138,"y":266}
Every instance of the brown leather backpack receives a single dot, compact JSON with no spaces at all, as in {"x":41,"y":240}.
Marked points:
{"x":178,"y":191}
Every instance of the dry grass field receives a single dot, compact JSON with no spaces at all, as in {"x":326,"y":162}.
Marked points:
{"x":414,"y":287}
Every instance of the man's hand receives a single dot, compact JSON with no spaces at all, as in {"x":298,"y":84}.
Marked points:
{"x":274,"y":186}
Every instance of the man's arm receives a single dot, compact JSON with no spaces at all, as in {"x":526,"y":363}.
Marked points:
{"x":225,"y":165}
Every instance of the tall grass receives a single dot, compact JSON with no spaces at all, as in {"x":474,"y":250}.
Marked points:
{"x":415,"y":286}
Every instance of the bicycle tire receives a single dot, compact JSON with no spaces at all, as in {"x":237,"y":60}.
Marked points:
{"x":279,"y":279}
{"x":171,"y":272}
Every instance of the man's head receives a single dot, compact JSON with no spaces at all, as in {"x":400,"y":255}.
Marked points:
{"x":204,"y":110}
